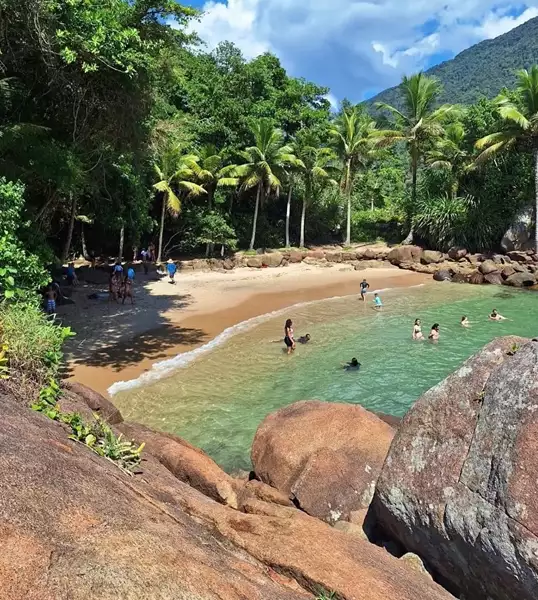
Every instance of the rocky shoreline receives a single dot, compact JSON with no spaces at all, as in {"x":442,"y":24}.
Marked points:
{"x":516,"y":268}
{"x":339,"y":503}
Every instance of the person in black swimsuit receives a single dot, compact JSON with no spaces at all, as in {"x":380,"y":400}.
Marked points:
{"x":364,"y":289}
{"x":288,"y":336}
{"x":353,"y":365}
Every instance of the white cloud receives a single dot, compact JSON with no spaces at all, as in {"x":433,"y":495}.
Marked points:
{"x":333,"y":101}
{"x":354,"y":46}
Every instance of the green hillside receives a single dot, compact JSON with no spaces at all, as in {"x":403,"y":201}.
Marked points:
{"x":482,"y":70}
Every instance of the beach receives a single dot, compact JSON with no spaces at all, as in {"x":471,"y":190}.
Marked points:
{"x":118,"y":343}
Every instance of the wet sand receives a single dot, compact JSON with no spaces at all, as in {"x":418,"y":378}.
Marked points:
{"x":119,"y":343}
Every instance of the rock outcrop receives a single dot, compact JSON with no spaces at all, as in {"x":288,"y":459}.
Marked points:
{"x":459,"y":483}
{"x":72,"y":525}
{"x":325,"y":456}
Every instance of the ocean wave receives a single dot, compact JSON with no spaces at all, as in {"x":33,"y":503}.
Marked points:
{"x":164,"y":368}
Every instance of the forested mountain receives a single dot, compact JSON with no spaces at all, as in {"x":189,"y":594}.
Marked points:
{"x":482,"y":70}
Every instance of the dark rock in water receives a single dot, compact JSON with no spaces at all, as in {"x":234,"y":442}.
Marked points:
{"x":404,"y":254}
{"x":459,"y":483}
{"x":487,"y":267}
{"x":520,"y":280}
{"x":324,"y":455}
{"x":494,"y":278}
{"x":457,"y":253}
{"x":476,"y":278}
{"x":96,"y":402}
{"x":73,"y":526}
{"x":431,"y":257}
{"x":442,"y":275}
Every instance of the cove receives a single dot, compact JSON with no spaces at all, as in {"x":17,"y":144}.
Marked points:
{"x":220,"y":398}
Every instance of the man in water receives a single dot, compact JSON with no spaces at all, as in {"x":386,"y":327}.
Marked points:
{"x":495,"y":316}
{"x":304,"y":339}
{"x":378,"y":305}
{"x":353,"y":365}
{"x":465,"y":322}
{"x":364,"y":289}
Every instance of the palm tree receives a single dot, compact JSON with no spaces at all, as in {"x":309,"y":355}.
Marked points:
{"x":317,"y":162}
{"x":449,"y":153}
{"x":353,"y":133}
{"x":264,"y":166}
{"x":174,"y":174}
{"x":417,"y":124}
{"x":520,"y":129}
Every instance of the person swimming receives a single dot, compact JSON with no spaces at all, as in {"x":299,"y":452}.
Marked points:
{"x":352,"y":365}
{"x":434,"y":333}
{"x":304,"y":339}
{"x":377,"y":302}
{"x":288,"y":336}
{"x":465,"y":322}
{"x":495,"y":316}
{"x":417,"y":330}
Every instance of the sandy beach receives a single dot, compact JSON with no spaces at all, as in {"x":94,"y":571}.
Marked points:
{"x":118,"y":343}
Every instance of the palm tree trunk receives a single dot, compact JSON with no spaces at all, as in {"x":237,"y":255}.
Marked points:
{"x":414,"y":170}
{"x":288,"y":211}
{"x":209,"y":246}
{"x":348,"y":193}
{"x":253,"y":238}
{"x":83,"y":240}
{"x":67,"y":246}
{"x":161,"y":232}
{"x":122,"y":242}
{"x":536,"y":199}
{"x":303,"y":218}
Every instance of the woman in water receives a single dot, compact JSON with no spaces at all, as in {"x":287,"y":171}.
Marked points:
{"x":288,"y":336}
{"x":434,"y":333}
{"x":495,"y":316}
{"x":353,"y":365}
{"x":417,"y":330}
{"x":465,"y":322}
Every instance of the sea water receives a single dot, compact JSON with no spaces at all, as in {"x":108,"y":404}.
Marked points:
{"x":220,"y":396}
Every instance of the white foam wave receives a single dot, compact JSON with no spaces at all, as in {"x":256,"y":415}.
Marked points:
{"x":164,"y":368}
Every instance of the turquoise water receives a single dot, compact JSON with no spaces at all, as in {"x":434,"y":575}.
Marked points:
{"x":218,"y":401}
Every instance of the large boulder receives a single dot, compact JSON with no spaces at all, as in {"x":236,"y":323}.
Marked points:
{"x":274,"y":259}
{"x":457,"y":253}
{"x":519,"y":256}
{"x":507,"y":271}
{"x":403,"y":254}
{"x":95,"y":402}
{"x":494,"y":278}
{"x":254,"y":262}
{"x":442,"y":275}
{"x":487,"y":267}
{"x":430,"y":257}
{"x":476,"y":278}
{"x":520,"y":234}
{"x":73,"y":525}
{"x":325,"y":456}
{"x":459,"y":483}
{"x":520,"y":280}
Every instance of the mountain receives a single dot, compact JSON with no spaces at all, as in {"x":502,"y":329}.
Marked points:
{"x":483,"y":69}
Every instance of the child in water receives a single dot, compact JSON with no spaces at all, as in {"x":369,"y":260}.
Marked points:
{"x":353,"y":365}
{"x":378,"y":305}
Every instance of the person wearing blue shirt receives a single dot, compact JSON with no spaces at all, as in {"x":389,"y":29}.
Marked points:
{"x":131,"y":273}
{"x":171,"y":268}
{"x":377,"y":302}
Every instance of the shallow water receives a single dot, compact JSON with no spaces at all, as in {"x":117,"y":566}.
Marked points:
{"x":218,"y":401}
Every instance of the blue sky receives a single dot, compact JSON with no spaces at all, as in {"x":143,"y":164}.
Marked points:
{"x":357,"y":47}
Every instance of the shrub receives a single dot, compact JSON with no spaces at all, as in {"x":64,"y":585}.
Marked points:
{"x":370,"y":225}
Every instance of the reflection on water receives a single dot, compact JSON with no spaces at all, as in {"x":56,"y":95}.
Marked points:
{"x":218,"y":401}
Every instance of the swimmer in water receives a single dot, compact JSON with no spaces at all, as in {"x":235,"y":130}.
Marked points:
{"x":434,"y":333}
{"x":353,"y":365}
{"x":288,"y":336}
{"x":465,"y":322}
{"x":417,"y":330}
{"x":304,"y":339}
{"x":495,"y":316}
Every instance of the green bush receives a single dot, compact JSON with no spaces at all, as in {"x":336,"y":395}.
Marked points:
{"x":370,"y":225}
{"x":33,"y":343}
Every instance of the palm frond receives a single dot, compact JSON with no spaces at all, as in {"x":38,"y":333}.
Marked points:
{"x":173,"y":203}
{"x":161,"y":186}
{"x":193,"y":189}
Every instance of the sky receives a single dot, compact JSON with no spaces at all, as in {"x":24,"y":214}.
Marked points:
{"x":357,"y":48}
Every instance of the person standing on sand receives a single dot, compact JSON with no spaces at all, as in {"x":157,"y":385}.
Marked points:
{"x":114,"y":287}
{"x":288,"y":336}
{"x":51,"y":300}
{"x":434,"y":333}
{"x":151,"y":252}
{"x":171,"y":268}
{"x":364,"y":289}
{"x":145,"y":258}
{"x":127,"y":289}
{"x":417,"y":330}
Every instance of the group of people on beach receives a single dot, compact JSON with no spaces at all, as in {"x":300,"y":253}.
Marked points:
{"x":464,"y":322}
{"x":120,"y":285}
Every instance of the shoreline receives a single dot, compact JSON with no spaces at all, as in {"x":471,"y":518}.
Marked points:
{"x":122,"y":345}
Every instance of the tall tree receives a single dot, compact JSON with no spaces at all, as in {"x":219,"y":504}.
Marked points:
{"x":317,"y":164}
{"x":353,"y":134}
{"x":520,"y":131}
{"x":263,"y":167}
{"x":417,"y":124}
{"x":174,"y":174}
